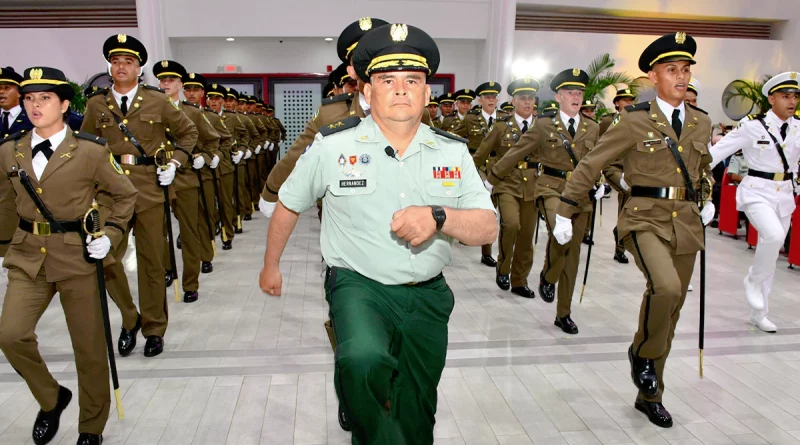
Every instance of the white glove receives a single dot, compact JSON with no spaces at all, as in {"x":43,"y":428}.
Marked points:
{"x":266,"y":208}
{"x":98,"y":247}
{"x":214,"y":162}
{"x":165,"y":177}
{"x":624,"y":184}
{"x":3,"y":271}
{"x":237,"y":157}
{"x":488,"y":185}
{"x":198,"y":162}
{"x":598,"y":194}
{"x":271,"y":146}
{"x":248,"y":154}
{"x":562,"y":232}
{"x":258,"y":149}
{"x":707,"y":214}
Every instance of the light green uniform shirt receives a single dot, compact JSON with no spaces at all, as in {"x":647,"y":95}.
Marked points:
{"x":362,"y":187}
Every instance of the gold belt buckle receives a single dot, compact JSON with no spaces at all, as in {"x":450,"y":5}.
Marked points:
{"x":569,"y":175}
{"x":522,"y":165}
{"x":778,"y":177}
{"x":127,"y":159}
{"x":41,"y":228}
{"x":677,"y":193}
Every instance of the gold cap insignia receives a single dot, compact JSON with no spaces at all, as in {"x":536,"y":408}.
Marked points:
{"x":1,"y":71}
{"x":227,"y":89}
{"x":36,"y":74}
{"x":680,"y":37}
{"x":122,"y":38}
{"x":365,"y":23}
{"x":191,"y":75}
{"x":399,"y":32}
{"x":576,"y":71}
{"x":466,"y":90}
{"x":627,"y":91}
{"x":491,"y":84}
{"x":793,"y":75}
{"x":526,"y":80}
{"x":164,"y":63}
{"x":214,"y":86}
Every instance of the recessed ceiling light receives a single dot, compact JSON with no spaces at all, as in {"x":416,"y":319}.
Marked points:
{"x":329,"y":39}
{"x":230,"y":39}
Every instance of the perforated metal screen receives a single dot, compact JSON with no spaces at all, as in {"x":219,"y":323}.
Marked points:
{"x":295,"y":105}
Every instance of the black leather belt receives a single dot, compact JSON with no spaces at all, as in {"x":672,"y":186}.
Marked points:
{"x":44,"y":228}
{"x":675,"y":193}
{"x":524,"y":165}
{"x":426,"y":282}
{"x":549,"y":171}
{"x":770,"y":176}
{"x":134,"y":160}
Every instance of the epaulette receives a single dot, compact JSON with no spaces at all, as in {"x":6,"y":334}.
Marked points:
{"x":549,"y":113}
{"x":186,"y":102}
{"x":12,"y":137}
{"x":338,"y":98}
{"x":757,"y":116}
{"x":338,"y":126}
{"x":638,"y":107}
{"x":499,"y":112}
{"x":504,"y":118}
{"x":89,"y":137}
{"x":150,"y":87}
{"x":698,"y":109}
{"x":448,"y":135}
{"x":475,"y":112}
{"x":97,"y":91}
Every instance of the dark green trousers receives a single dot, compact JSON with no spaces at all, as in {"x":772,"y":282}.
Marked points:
{"x":391,"y":350}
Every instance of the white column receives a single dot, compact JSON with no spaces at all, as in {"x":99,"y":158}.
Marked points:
{"x":498,"y":51}
{"x":152,"y":33}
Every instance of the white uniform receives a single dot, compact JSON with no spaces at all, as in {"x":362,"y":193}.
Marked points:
{"x":768,"y":204}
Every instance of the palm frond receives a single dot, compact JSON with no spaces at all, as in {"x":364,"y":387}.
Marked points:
{"x":601,"y":77}
{"x":599,"y":65}
{"x":748,"y":90}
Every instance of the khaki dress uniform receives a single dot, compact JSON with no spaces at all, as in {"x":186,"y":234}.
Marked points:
{"x":450,"y":122}
{"x":42,"y":263}
{"x":257,"y":161}
{"x":613,"y":175}
{"x":515,"y":199}
{"x":150,"y":117}
{"x":241,"y":143}
{"x":544,"y":143}
{"x":209,"y":188}
{"x":249,"y":166}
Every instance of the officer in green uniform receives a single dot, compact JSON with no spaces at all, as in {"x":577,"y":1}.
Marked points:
{"x":663,"y":147}
{"x":558,"y":141}
{"x":396,"y":194}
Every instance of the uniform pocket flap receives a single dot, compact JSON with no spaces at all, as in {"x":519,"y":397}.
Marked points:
{"x":151,"y":118}
{"x":19,"y":237}
{"x":636,"y":204}
{"x":448,"y":188}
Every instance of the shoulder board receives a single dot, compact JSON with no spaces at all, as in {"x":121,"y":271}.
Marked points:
{"x":338,"y":126}
{"x":797,"y":117}
{"x":640,"y":106}
{"x":12,"y":137}
{"x":502,"y":113}
{"x":89,"y":137}
{"x":754,"y":117}
{"x":186,"y":102}
{"x":448,"y":135}
{"x":475,"y":112}
{"x":698,"y":109}
{"x":505,"y":118}
{"x":97,"y":91}
{"x":339,"y":98}
{"x":150,"y":87}
{"x":549,"y":113}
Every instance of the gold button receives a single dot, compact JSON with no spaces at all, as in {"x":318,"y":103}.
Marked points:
{"x":679,"y":169}
{"x":126,"y":139}
{"x":652,"y":149}
{"x":104,"y":126}
{"x":674,"y":214}
{"x":573,"y":145}
{"x":525,"y":179}
{"x":125,"y":121}
{"x":43,"y":250}
{"x":136,"y":105}
{"x":680,"y":149}
{"x":127,"y":172}
{"x":151,"y":122}
{"x":39,"y":190}
{"x":635,"y":209}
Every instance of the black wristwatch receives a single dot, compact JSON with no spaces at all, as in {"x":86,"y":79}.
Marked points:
{"x":439,"y":216}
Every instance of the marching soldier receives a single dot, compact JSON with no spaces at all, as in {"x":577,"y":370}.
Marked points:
{"x":171,"y":76}
{"x":194,"y":88}
{"x":259,"y":158}
{"x":663,"y":146}
{"x":463,"y":103}
{"x":692,"y":91}
{"x":243,"y":136}
{"x":613,"y":173}
{"x":514,"y":196}
{"x":329,"y":90}
{"x":227,"y":164}
{"x":257,"y":138}
{"x":388,"y":388}
{"x":433,"y":110}
{"x":559,"y":140}
{"x":588,"y":109}
{"x":446,"y":107}
{"x":50,"y":178}
{"x":508,"y":107}
{"x":135,"y":120}
{"x":770,"y":143}
{"x":281,"y":135}
{"x":273,"y":138}
{"x":13,"y":117}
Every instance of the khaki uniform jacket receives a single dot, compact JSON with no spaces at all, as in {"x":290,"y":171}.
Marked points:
{"x":521,"y":183}
{"x":225,"y":145}
{"x":436,"y":123}
{"x":77,"y":170}
{"x":263,"y":132}
{"x":331,"y":111}
{"x":241,"y":136}
{"x":273,"y":130}
{"x":207,"y":145}
{"x":450,"y":123}
{"x":149,"y":118}
{"x":543,"y":144}
{"x":474,"y":128}
{"x":638,"y":140}
{"x":252,"y":131}
{"x":605,"y":122}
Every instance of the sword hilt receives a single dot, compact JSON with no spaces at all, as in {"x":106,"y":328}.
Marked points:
{"x":91,"y":221}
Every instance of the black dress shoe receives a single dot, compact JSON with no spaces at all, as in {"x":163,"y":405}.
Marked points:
{"x":503,"y":281}
{"x":238,"y":230}
{"x":655,"y":411}
{"x":620,"y":257}
{"x":168,"y":279}
{"x":190,"y":296}
{"x":206,"y":267}
{"x":343,"y":422}
{"x":127,"y":339}
{"x":643,"y":373}
{"x":523,"y":291}
{"x":255,"y":206}
{"x":227,"y":245}
{"x":248,"y":217}
{"x":588,"y":241}
{"x":46,"y":425}
{"x":567,"y":325}
{"x":487,"y":260}
{"x":178,"y":242}
{"x":546,"y":290}
{"x":153,"y":346}
{"x":89,"y":439}
{"x":218,"y":230}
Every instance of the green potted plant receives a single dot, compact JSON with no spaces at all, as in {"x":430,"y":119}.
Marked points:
{"x":601,"y":77}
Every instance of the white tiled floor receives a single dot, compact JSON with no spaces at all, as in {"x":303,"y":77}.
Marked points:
{"x":242,"y":368}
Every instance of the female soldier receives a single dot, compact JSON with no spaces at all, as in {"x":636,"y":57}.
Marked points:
{"x":50,"y":179}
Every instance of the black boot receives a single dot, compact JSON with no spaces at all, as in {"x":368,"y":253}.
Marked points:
{"x":190,"y":296}
{"x":227,"y":245}
{"x":127,"y":339}
{"x":46,"y":425}
{"x":567,"y":325}
{"x":153,"y":346}
{"x":656,"y":413}
{"x":178,"y":242}
{"x":487,"y":260}
{"x":620,"y":257}
{"x":588,"y":241}
{"x":90,"y":439}
{"x":546,"y":290}
{"x":168,"y":279}
{"x":503,"y":281}
{"x":523,"y":291}
{"x":643,"y":373}
{"x":207,"y":267}
{"x":248,"y":217}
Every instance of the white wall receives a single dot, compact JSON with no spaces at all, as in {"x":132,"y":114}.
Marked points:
{"x":720,"y":61}
{"x":77,"y":52}
{"x":762,"y":9}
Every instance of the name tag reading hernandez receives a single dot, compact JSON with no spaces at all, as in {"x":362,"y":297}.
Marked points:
{"x":351,"y":183}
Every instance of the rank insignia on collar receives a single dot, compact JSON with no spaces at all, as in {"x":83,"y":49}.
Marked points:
{"x":691,"y":125}
{"x":336,"y":125}
{"x":66,"y":155}
{"x":661,"y":124}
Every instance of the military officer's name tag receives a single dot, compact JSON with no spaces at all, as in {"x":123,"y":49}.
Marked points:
{"x":351,"y":183}
{"x":650,"y":142}
{"x":762,"y":143}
